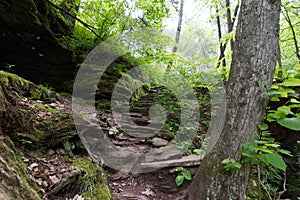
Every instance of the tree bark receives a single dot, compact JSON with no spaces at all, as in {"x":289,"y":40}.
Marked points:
{"x":221,"y":60}
{"x":289,"y":21}
{"x":229,"y":21}
{"x":252,"y":70}
{"x":178,"y":31}
{"x":70,"y":8}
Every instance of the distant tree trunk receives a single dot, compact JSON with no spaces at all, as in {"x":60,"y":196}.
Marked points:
{"x":230,"y":25}
{"x":178,"y":30}
{"x":229,"y":20}
{"x":71,"y":7}
{"x":252,"y":70}
{"x":294,"y":35}
{"x":221,"y":60}
{"x":279,"y":62}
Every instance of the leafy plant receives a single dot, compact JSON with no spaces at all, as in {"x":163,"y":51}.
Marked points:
{"x":268,"y":165}
{"x":287,"y":115}
{"x":231,"y":164}
{"x":182,"y":175}
{"x":264,"y":151}
{"x":198,"y":151}
{"x":9,"y":67}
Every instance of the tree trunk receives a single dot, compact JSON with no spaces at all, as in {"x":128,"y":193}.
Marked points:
{"x":178,"y":31}
{"x":70,"y":7}
{"x":221,"y":60}
{"x":294,"y":35}
{"x":251,"y":75}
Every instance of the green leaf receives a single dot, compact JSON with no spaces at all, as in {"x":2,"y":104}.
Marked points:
{"x":275,"y":160}
{"x":179,"y":180}
{"x":187,"y":175}
{"x":225,"y":161}
{"x":291,"y":123}
{"x":294,"y":100}
{"x":291,"y":82}
{"x":263,"y":126}
{"x":177,"y":169}
{"x":286,"y":152}
{"x":273,"y":145}
{"x":275,"y":99}
{"x":272,"y":117}
{"x":198,"y":151}
{"x":249,"y":154}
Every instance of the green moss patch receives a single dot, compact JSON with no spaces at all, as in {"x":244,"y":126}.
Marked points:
{"x":93,"y":183}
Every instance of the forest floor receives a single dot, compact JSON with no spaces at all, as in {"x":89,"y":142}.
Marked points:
{"x":47,"y":168}
{"x":154,"y":184}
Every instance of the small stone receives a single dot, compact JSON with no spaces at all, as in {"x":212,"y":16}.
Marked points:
{"x":159,"y":142}
{"x":33,"y":165}
{"x":51,"y":152}
{"x":53,"y":179}
{"x":39,"y":181}
{"x":45,"y":184}
{"x":25,"y":160}
{"x":36,"y":170}
{"x":60,"y":151}
{"x":168,"y":135}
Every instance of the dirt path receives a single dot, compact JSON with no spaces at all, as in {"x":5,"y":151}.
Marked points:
{"x":134,"y":132}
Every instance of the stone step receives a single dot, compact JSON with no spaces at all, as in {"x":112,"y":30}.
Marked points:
{"x":128,"y":124}
{"x":139,"y":131}
{"x":185,"y":161}
{"x":143,"y":111}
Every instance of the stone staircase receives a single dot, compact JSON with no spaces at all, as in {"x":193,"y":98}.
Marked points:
{"x":140,"y":142}
{"x":137,"y":123}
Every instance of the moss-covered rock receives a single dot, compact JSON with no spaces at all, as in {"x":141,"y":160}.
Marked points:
{"x":28,"y":42}
{"x":29,"y":127}
{"x":13,"y":176}
{"x":93,"y":183}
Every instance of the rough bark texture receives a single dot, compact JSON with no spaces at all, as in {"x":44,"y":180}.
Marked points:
{"x":178,"y":31}
{"x":221,"y":59}
{"x":250,"y":78}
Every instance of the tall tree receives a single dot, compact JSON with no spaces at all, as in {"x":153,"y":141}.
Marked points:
{"x":178,"y":30}
{"x":294,"y":35}
{"x":70,"y":9}
{"x":251,"y":75}
{"x":230,"y":25}
{"x":221,"y":59}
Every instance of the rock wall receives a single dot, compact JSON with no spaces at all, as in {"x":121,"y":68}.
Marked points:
{"x":29,"y":48}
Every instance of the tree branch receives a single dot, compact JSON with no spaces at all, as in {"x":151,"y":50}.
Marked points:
{"x":89,"y":27}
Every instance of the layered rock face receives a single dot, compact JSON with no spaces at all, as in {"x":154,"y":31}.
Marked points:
{"x":28,"y":43}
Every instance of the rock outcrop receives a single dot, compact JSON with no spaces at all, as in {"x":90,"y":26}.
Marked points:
{"x":28,"y":38}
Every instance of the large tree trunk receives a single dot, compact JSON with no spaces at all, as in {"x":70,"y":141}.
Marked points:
{"x":250,"y":78}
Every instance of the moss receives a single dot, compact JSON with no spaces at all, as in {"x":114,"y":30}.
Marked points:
{"x":25,"y":87}
{"x":100,"y":191}
{"x":18,"y":181}
{"x":93,"y":182}
{"x":43,"y":107}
